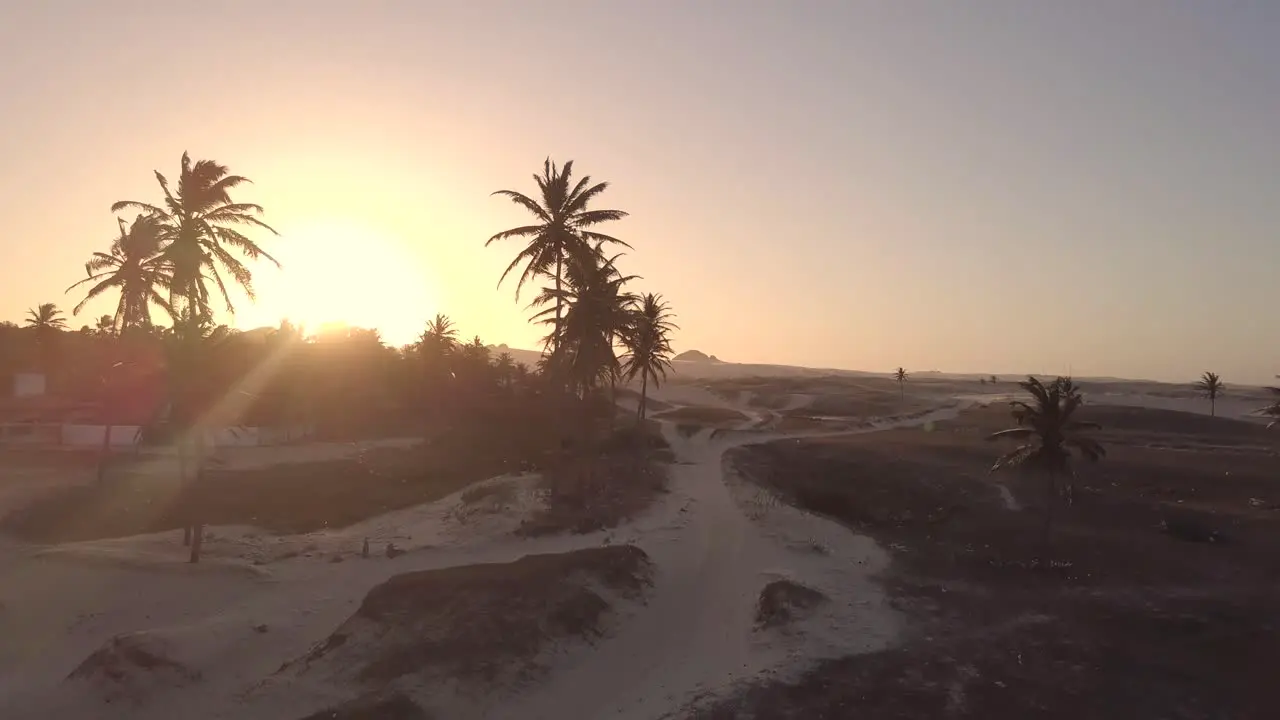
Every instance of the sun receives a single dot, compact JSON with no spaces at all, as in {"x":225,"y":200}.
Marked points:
{"x":344,"y":272}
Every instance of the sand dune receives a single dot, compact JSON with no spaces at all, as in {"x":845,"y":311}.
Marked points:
{"x":122,"y":628}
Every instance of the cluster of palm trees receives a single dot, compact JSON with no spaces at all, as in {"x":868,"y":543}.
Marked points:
{"x":600,"y":333}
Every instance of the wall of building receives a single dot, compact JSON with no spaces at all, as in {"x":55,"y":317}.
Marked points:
{"x":28,"y":384}
{"x":92,"y":435}
{"x":126,"y":436}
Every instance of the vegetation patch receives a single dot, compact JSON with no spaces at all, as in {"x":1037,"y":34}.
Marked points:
{"x":128,"y":665}
{"x":1118,"y":618}
{"x":589,"y":492}
{"x":481,"y":622}
{"x":288,"y":498}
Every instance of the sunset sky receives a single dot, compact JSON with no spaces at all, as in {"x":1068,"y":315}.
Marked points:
{"x":998,"y":186}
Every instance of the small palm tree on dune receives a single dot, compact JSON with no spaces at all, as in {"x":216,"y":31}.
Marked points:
{"x":1050,"y":432}
{"x":561,"y":231}
{"x":901,"y":376}
{"x":648,"y":345}
{"x":1210,"y":386}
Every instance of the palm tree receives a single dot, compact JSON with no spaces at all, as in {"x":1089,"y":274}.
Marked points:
{"x":901,"y":376}
{"x":46,"y":321}
{"x":581,"y":343}
{"x":561,"y":226}
{"x":133,"y":266}
{"x":648,"y":345}
{"x":1272,"y":410}
{"x":104,"y":326}
{"x":45,"y":318}
{"x":440,"y":338}
{"x":1210,"y":386}
{"x":197,"y":226}
{"x":505,"y":366}
{"x":1050,"y":431}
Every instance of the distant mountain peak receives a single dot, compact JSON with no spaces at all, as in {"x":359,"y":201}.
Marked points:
{"x":696,"y":356}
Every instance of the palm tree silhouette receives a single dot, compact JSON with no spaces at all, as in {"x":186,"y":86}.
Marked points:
{"x":45,"y":318}
{"x":901,"y":376}
{"x":439,"y":339}
{"x":561,"y":228}
{"x":1210,"y":386}
{"x":648,"y":343}
{"x":197,"y":225}
{"x":505,"y":367}
{"x":581,"y":343}
{"x":134,"y":267}
{"x":1050,"y":431}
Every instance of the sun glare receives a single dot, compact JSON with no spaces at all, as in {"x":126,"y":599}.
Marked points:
{"x":345,"y":273}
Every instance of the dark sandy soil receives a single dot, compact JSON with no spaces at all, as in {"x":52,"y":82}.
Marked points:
{"x":304,"y":497}
{"x":703,"y":415}
{"x":378,"y":706}
{"x":479,"y":623}
{"x":1117,"y":619}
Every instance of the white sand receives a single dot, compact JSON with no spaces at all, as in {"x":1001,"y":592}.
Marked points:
{"x":715,"y":540}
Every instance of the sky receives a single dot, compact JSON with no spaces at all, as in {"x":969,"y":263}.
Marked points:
{"x":985,"y":186}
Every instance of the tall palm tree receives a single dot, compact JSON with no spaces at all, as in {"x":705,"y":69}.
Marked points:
{"x":197,"y":225}
{"x":561,"y":227}
{"x":648,"y":345}
{"x":581,"y":343}
{"x":134,"y":267}
{"x":1210,"y":386}
{"x":1050,"y":431}
{"x":901,"y":376}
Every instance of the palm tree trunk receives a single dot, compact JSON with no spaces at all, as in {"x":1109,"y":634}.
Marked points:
{"x":644,"y":394}
{"x":182,"y":481}
{"x":1213,"y":407}
{"x":104,"y":454}
{"x":613,"y":398}
{"x":197,"y":528}
{"x":1048,"y":511}
{"x":902,"y":392}
{"x":555,"y":337}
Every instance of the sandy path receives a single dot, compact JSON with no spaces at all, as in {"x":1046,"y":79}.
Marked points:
{"x":694,"y":639}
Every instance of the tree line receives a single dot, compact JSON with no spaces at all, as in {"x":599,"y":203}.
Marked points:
{"x":179,"y":258}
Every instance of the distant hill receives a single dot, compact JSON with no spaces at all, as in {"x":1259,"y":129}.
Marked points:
{"x":696,"y":356}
